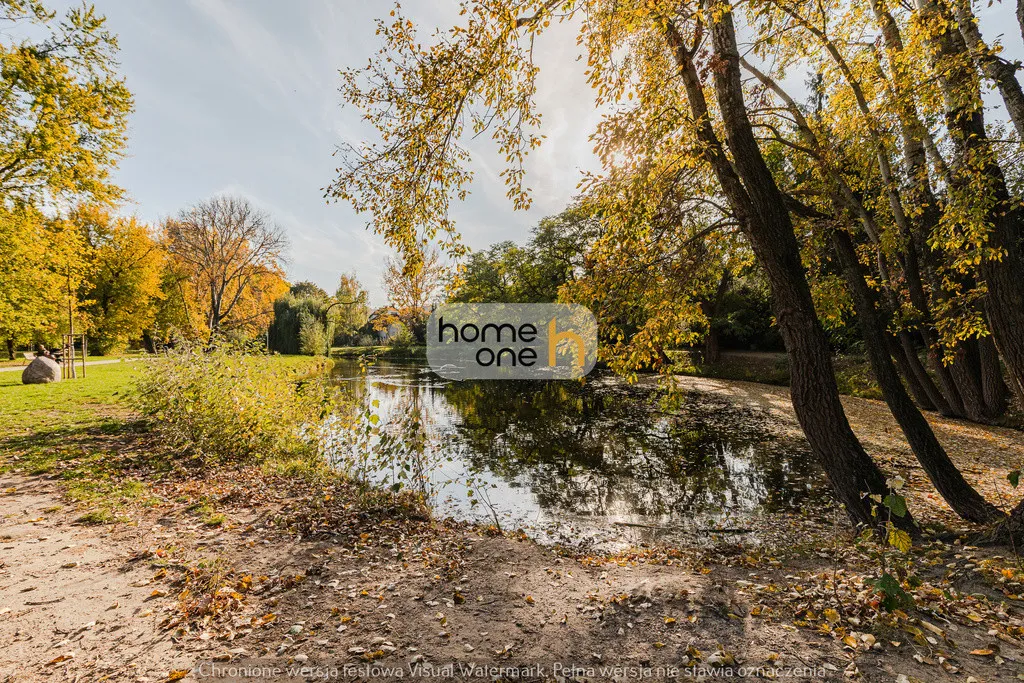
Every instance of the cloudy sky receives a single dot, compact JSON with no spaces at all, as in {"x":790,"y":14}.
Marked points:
{"x":241,"y":96}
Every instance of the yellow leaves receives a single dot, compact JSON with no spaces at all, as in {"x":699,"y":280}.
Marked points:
{"x":899,"y":539}
{"x":177,"y":674}
{"x":268,"y":618}
{"x":983,"y":652}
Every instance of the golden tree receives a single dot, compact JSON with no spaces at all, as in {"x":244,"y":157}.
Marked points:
{"x":229,"y":255}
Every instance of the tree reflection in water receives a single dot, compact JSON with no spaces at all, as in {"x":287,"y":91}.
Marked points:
{"x":591,"y":453}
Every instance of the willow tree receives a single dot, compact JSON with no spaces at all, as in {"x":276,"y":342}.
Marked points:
{"x":674,"y":67}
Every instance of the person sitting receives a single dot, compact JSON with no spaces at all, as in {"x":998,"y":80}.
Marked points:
{"x":41,"y":350}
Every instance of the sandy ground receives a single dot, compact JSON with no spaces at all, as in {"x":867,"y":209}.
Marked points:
{"x":104,"y":603}
{"x":162,"y":596}
{"x":983,"y":453}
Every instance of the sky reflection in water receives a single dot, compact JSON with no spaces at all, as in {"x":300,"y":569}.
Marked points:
{"x":598,"y":462}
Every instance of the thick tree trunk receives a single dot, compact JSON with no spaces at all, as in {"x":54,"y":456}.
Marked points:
{"x":761,"y":210}
{"x":993,"y":388}
{"x":966,"y":373}
{"x":1004,"y":303}
{"x":997,"y":70}
{"x":947,"y":479}
{"x":10,"y":349}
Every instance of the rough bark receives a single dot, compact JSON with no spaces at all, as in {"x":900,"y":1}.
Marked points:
{"x":945,"y":476}
{"x":912,"y":372}
{"x":994,"y":390}
{"x":967,"y":373}
{"x":10,"y":349}
{"x":1004,"y":303}
{"x":761,"y":210}
{"x":996,"y":69}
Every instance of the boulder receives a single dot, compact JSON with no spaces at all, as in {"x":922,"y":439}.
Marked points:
{"x":42,"y":370}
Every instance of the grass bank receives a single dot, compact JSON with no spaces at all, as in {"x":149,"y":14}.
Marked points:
{"x":853,"y":372}
{"x":396,"y":352}
{"x":83,"y":434}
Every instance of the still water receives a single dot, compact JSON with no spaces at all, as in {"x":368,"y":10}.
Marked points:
{"x":595,"y":462}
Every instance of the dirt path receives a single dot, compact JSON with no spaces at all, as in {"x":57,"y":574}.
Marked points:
{"x":237,"y":567}
{"x":70,"y":601}
{"x":21,"y":368}
{"x":165,"y":596}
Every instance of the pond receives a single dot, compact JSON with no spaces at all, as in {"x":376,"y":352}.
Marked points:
{"x":600,"y":462}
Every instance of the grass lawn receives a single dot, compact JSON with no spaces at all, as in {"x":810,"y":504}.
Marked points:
{"x":69,"y":403}
{"x":74,"y":430}
{"x":82,"y":402}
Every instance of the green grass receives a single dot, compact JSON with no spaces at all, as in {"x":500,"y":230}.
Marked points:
{"x":67,"y":404}
{"x":83,"y":402}
{"x":380,"y":351}
{"x":78,"y":431}
{"x":853,"y":373}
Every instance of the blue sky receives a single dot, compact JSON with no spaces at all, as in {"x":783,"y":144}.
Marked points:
{"x":241,"y":96}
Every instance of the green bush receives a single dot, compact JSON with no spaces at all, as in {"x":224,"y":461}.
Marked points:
{"x":312,"y":335}
{"x":224,"y":405}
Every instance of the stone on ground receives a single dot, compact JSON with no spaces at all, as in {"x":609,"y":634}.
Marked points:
{"x":42,"y":370}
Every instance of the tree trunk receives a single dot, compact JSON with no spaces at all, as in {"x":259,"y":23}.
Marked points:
{"x":947,"y":479}
{"x":147,"y":342}
{"x":909,"y":372}
{"x":994,"y":390}
{"x":967,"y":374}
{"x":10,"y":349}
{"x":1004,"y":303}
{"x":996,"y":69}
{"x":712,"y":351}
{"x":761,"y":210}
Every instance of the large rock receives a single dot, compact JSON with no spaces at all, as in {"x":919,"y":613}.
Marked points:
{"x":42,"y":370}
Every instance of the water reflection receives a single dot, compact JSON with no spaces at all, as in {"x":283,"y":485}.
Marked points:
{"x":593,"y":460}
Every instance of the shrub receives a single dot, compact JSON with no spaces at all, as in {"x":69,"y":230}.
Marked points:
{"x":312,"y":335}
{"x":365,"y":340}
{"x":223,"y":405}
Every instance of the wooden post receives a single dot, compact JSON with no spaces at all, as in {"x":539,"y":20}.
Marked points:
{"x":85,"y":354}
